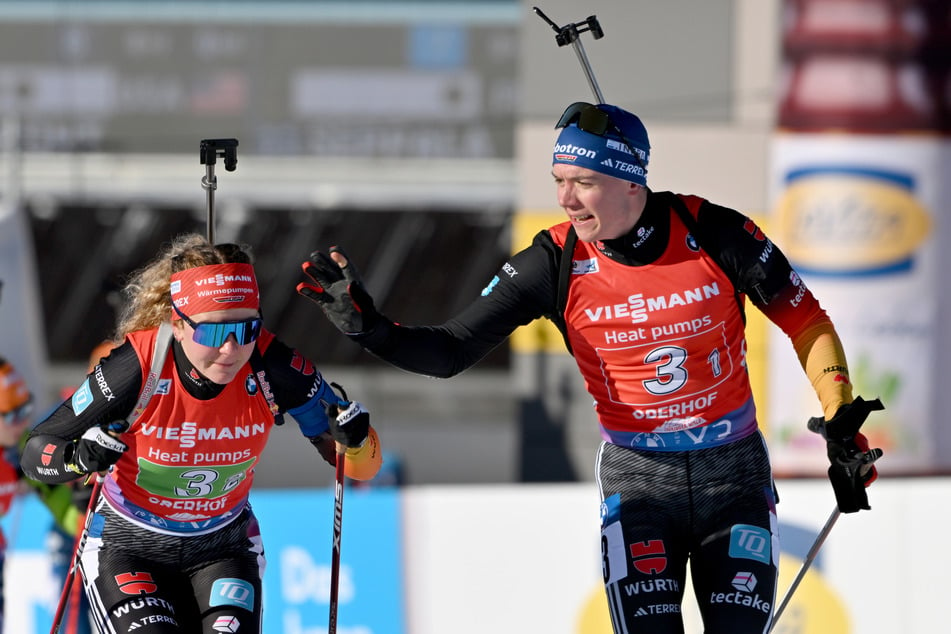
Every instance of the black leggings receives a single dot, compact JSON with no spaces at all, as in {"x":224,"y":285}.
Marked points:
{"x":137,"y":579}
{"x":714,"y":508}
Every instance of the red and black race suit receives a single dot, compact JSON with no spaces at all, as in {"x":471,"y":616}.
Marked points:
{"x":655,"y":320}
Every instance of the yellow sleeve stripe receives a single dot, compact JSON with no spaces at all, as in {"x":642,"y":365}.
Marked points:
{"x":822,"y":357}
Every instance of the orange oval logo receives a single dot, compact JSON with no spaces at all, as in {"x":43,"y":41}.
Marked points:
{"x":850,"y":223}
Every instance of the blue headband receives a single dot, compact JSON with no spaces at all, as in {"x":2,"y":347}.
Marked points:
{"x":625,"y":158}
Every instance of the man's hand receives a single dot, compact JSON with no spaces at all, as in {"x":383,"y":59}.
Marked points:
{"x":852,"y":467}
{"x":339,"y":292}
{"x":96,"y":450}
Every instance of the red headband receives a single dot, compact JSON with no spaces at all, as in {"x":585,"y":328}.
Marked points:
{"x":204,"y":289}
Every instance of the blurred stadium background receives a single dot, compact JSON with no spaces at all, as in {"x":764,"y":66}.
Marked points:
{"x":417,"y":135}
{"x":414,"y":134}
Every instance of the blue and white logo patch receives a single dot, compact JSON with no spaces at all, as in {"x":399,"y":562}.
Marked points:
{"x":229,"y":591}
{"x":750,"y":542}
{"x":164,"y":386}
{"x":692,"y":243}
{"x":583,"y":267}
{"x":82,"y":398}
{"x":492,"y":285}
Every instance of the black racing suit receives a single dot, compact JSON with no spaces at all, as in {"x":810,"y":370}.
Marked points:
{"x":713,"y":506}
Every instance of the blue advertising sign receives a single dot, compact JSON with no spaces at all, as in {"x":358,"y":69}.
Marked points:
{"x":297,"y":529}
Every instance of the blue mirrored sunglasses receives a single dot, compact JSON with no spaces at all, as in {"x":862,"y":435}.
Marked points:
{"x":18,"y":414}
{"x":214,"y":334}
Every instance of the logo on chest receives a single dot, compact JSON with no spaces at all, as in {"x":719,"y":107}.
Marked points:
{"x":637,"y":308}
{"x":189,"y":434}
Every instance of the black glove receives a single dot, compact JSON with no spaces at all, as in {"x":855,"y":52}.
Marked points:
{"x":852,"y":467}
{"x":96,"y":450}
{"x":339,"y":293}
{"x":349,"y":423}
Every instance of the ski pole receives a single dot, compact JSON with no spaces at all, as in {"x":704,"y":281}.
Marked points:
{"x":339,"y":479}
{"x":810,"y":557}
{"x":74,"y":608}
{"x":338,"y":533}
{"x":77,"y":552}
{"x":571,"y":34}
{"x":208,"y":151}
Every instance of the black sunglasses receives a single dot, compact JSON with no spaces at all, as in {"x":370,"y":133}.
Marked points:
{"x":589,"y":118}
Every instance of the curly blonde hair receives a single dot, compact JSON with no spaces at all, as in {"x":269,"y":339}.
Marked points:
{"x":148,"y":297}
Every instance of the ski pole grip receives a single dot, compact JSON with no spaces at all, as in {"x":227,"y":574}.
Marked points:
{"x":117,"y":428}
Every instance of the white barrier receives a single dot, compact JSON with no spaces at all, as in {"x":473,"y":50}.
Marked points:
{"x":527,"y":559}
